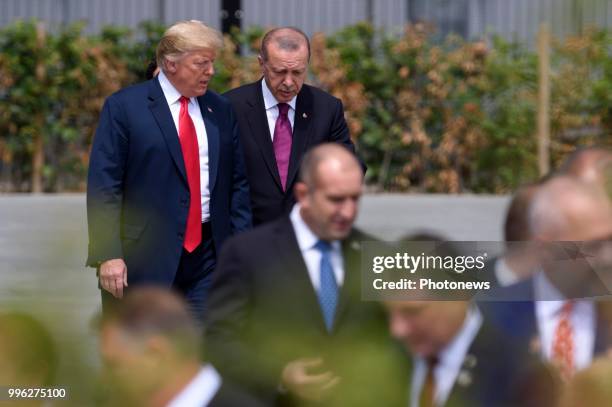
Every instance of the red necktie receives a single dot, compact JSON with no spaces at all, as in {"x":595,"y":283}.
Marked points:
{"x":563,"y":345}
{"x":282,"y":142}
{"x":191,"y":157}
{"x":428,"y":392}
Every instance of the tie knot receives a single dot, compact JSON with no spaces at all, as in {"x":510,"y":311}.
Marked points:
{"x":184,"y":101}
{"x":283,"y":109}
{"x":432,"y":361}
{"x":567,"y":307}
{"x":323,"y":246}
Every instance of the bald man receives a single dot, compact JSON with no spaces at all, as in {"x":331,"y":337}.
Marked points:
{"x":286,"y":318}
{"x":280,"y":118}
{"x":588,"y":164}
{"x":554,"y":312}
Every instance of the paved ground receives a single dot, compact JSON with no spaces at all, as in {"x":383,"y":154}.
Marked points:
{"x":43,"y":242}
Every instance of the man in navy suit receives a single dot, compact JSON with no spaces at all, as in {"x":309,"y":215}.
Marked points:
{"x":166,"y":182}
{"x":152,"y":327}
{"x":280,"y":118}
{"x":556,"y":313}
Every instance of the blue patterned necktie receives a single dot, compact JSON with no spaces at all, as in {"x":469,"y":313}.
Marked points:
{"x":328,"y":291}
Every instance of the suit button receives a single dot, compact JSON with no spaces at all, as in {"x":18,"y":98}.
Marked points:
{"x":184,"y":202}
{"x":180,"y":235}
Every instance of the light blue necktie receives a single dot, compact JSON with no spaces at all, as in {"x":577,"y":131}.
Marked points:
{"x":328,"y":291}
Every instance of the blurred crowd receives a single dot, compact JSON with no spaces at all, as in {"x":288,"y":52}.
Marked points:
{"x":202,"y":309}
{"x":266,"y":340}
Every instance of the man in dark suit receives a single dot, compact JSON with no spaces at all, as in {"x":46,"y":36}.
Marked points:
{"x":151,"y":352}
{"x":280,"y":119}
{"x":166,"y":182}
{"x":458,"y":359}
{"x":285,"y":315}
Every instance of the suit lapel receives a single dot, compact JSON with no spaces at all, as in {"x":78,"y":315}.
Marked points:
{"x":301,"y":131}
{"x":212,"y":135}
{"x":351,"y":258}
{"x":258,"y":122}
{"x":163,"y":117}
{"x":293,"y":262}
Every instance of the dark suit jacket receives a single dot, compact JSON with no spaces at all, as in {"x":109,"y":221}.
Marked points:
{"x":137,"y":191}
{"x":497,"y":372}
{"x":230,"y":395}
{"x":319,"y":118}
{"x":264,"y":313}
{"x":505,"y":374}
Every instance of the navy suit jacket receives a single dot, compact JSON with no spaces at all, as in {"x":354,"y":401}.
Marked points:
{"x":512,"y":311}
{"x":137,"y":191}
{"x":319,"y":118}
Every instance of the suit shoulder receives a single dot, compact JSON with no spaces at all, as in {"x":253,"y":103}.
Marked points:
{"x":136,"y":90}
{"x":238,"y":94}
{"x":252,"y":239}
{"x":216,"y":99}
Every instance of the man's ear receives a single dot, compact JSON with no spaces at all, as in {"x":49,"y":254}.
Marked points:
{"x":301,"y":191}
{"x":261,"y":61}
{"x":170,"y":66}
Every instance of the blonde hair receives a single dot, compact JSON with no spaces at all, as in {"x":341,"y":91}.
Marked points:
{"x":186,"y":36}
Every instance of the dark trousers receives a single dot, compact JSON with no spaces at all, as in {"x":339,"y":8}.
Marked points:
{"x":192,"y":280}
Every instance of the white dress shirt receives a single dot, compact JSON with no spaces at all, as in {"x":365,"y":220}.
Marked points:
{"x":173,"y":97}
{"x":200,"y":390}
{"x":450,"y":361}
{"x":312,"y":256}
{"x":548,"y":313}
{"x":270,"y":103}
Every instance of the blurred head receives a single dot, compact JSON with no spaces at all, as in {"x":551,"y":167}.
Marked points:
{"x":284,"y":59}
{"x":150,"y":334}
{"x":516,"y":225}
{"x":425,"y":328}
{"x":28,"y":357}
{"x":186,"y":54}
{"x":329,"y":190}
{"x":521,"y":255}
{"x":565,"y":209}
{"x":588,"y":164}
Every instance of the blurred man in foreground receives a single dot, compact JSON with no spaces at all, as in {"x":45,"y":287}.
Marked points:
{"x":151,"y":349}
{"x":460,"y":360}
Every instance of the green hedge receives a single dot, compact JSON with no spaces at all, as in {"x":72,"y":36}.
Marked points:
{"x":449,"y":116}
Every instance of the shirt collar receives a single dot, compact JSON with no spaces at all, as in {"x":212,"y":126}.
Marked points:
{"x":548,"y":296}
{"x":305,"y":237}
{"x":269,"y":99}
{"x":171,"y":94}
{"x":454,"y":353}
{"x":200,"y":390}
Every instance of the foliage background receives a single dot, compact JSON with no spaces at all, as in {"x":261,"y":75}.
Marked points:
{"x":427,"y":115}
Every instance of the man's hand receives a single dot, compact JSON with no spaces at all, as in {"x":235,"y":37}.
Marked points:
{"x":298,"y":378}
{"x":113,"y":276}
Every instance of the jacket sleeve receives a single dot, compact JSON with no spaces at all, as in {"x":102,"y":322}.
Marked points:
{"x":105,"y":182}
